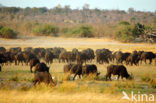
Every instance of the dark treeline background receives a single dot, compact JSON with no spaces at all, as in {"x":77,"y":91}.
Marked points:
{"x":102,"y":23}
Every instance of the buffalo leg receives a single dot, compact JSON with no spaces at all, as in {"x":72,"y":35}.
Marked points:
{"x":31,"y":69}
{"x":79,"y":76}
{"x":118,"y":77}
{"x":150,"y":61}
{"x":74,"y":76}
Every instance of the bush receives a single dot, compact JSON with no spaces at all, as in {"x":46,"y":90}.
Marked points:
{"x":125,"y":33}
{"x":81,"y":31}
{"x":46,"y":30}
{"x":6,"y":32}
{"x":128,"y":33}
{"x":84,"y":31}
{"x":124,"y":23}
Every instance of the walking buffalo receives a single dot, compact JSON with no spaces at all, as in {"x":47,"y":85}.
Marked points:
{"x":67,"y":68}
{"x":44,"y":77}
{"x":76,"y":70}
{"x":147,"y":56}
{"x":90,"y":69}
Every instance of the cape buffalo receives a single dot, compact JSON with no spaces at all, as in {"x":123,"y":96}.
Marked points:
{"x":90,"y":69}
{"x":77,"y":70}
{"x":67,"y":67}
{"x":119,"y":70}
{"x":33,"y":62}
{"x":41,"y":67}
{"x":147,"y":55}
{"x":49,"y":57}
{"x":44,"y":77}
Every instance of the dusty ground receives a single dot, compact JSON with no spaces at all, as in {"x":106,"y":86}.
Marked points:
{"x":70,"y":43}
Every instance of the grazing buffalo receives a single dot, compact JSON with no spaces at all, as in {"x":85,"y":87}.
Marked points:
{"x":119,"y":70}
{"x":19,"y":58}
{"x":56,"y":51}
{"x":81,"y":58}
{"x":28,"y":49}
{"x":44,"y":77}
{"x":133,"y":59}
{"x":3,"y":59}
{"x":28,"y":56}
{"x":90,"y":69}
{"x":49,"y":57}
{"x":2,"y":50}
{"x":103,"y":56}
{"x":41,"y":67}
{"x":77,"y":70}
{"x":33,"y":63}
{"x":147,"y":56}
{"x":67,"y":68}
{"x":15,"y":50}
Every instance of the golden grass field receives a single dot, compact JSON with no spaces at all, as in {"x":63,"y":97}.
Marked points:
{"x":16,"y":81}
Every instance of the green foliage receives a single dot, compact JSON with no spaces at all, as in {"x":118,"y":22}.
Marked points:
{"x":82,"y":31}
{"x":6,"y":32}
{"x":65,"y":30}
{"x":154,"y":20}
{"x":46,"y":30}
{"x":138,"y":29}
{"x":125,"y":34}
{"x":145,"y":78}
{"x":124,"y":23}
{"x":14,"y":78}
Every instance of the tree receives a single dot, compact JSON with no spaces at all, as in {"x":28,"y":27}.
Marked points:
{"x":131,"y":10}
{"x":46,"y":30}
{"x":124,"y":23}
{"x":86,"y":6}
{"x":6,"y":32}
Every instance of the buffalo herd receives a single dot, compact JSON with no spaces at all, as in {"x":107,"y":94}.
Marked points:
{"x":76,"y":60}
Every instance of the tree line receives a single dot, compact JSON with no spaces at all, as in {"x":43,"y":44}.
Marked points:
{"x":85,"y":22}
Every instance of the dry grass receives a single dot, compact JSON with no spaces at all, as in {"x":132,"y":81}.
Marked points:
{"x":80,"y":43}
{"x":46,"y":97}
{"x":86,"y":90}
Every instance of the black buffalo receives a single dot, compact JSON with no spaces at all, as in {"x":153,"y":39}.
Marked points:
{"x":41,"y":67}
{"x":119,"y":70}
{"x":67,"y":68}
{"x":90,"y":69}
{"x":76,"y":70}
{"x":44,"y":77}
{"x":33,"y":63}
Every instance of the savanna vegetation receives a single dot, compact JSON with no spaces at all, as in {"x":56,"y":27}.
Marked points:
{"x":124,"y":26}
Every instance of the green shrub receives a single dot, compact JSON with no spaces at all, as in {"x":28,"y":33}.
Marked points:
{"x":65,"y":30}
{"x":84,"y":31}
{"x":125,"y":33}
{"x":46,"y":29}
{"x":128,"y":33}
{"x":146,"y":78}
{"x":81,"y":31}
{"x":124,"y":23}
{"x":6,"y":32}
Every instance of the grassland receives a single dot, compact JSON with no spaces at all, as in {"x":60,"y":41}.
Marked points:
{"x":16,"y":81}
